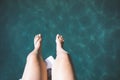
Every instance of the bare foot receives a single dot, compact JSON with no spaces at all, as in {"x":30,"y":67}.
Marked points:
{"x":37,"y":42}
{"x":59,"y":44}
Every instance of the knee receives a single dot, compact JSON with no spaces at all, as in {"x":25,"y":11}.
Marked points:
{"x":32,"y":57}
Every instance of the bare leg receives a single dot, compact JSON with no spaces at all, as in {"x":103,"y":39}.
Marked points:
{"x":35,"y":68}
{"x":62,"y":68}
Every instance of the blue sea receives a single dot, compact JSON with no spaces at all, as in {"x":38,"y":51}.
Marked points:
{"x":91,"y":29}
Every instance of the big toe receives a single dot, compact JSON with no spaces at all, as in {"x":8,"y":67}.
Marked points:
{"x":37,"y":37}
{"x":37,"y":40}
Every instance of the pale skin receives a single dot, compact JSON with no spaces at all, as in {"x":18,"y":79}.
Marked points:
{"x":35,"y":68}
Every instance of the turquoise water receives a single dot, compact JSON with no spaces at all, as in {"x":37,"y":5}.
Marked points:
{"x":91,"y":29}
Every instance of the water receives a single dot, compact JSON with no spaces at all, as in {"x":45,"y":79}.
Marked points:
{"x":91,"y":29}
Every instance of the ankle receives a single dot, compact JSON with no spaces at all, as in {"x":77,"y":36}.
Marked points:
{"x":61,"y":51}
{"x":38,"y":50}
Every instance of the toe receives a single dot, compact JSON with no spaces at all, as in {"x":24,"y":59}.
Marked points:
{"x":61,"y":37}
{"x":37,"y":41}
{"x":57,"y":36}
{"x":37,"y":37}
